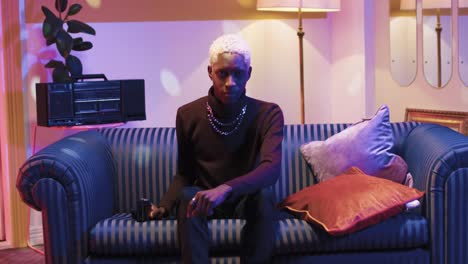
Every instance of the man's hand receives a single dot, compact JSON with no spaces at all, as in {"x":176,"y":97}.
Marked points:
{"x":157,"y":213}
{"x":203,"y":202}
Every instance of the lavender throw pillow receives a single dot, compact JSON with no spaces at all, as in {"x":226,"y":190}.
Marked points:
{"x":365,"y":145}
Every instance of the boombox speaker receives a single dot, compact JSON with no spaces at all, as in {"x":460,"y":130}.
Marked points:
{"x":90,"y":102}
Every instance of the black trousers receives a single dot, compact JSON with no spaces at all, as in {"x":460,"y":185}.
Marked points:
{"x":258,"y":235}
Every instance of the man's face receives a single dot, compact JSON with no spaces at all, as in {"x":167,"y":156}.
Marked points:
{"x":229,"y":75}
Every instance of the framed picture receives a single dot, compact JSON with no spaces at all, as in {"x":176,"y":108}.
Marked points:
{"x":457,"y":121}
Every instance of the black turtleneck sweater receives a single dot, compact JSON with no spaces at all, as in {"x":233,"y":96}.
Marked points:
{"x":247,"y":160}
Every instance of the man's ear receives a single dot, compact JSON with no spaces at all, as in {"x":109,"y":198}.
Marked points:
{"x":210,"y":72}
{"x":249,"y":73}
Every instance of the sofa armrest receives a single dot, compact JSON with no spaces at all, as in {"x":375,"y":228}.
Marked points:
{"x":71,"y":182}
{"x":437,"y":157}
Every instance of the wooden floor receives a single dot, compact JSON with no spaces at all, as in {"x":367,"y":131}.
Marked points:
{"x":21,"y":256}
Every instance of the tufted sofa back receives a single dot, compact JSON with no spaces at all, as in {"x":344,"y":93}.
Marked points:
{"x":146,"y":159}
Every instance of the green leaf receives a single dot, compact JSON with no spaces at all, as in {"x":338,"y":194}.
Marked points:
{"x":75,"y":26}
{"x":74,"y":9}
{"x":50,"y":28}
{"x":77,"y":41}
{"x":61,"y":5}
{"x":47,"y":29}
{"x":51,"y":23}
{"x":85,"y":45}
{"x":55,"y":64}
{"x":74,"y":65}
{"x":48,"y":13}
{"x":64,"y":43}
{"x":61,"y":75}
{"x":50,"y":41}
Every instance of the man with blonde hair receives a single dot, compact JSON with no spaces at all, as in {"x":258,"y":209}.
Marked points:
{"x":229,"y":154}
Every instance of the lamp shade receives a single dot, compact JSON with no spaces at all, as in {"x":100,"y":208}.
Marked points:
{"x":426,"y":4}
{"x":434,"y":4}
{"x":462,"y":3}
{"x":408,"y":4}
{"x":294,"y":5}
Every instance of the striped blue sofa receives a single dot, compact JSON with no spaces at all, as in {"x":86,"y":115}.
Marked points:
{"x":86,"y":185}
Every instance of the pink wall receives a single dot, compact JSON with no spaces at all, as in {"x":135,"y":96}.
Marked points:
{"x":347,"y":65}
{"x":347,"y":72}
{"x":172,"y":58}
{"x":348,"y":75}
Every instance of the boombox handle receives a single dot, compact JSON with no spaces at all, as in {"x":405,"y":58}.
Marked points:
{"x":89,"y":76}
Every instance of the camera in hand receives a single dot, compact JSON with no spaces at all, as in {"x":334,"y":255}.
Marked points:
{"x":141,"y":214}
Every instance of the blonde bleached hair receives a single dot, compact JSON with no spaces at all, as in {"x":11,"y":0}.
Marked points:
{"x":230,"y":43}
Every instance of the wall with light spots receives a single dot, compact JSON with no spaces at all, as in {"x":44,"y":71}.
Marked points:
{"x":172,"y":56}
{"x":167,"y":45}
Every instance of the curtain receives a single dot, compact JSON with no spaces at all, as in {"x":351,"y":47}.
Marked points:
{"x":2,"y":213}
{"x":12,"y":122}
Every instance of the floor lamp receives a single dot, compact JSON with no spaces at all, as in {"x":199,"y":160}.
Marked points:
{"x":299,"y":6}
{"x":437,"y":5}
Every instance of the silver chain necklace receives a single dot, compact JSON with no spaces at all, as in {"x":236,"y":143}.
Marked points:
{"x":221,"y":127}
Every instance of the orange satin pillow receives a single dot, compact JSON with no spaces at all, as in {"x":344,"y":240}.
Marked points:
{"x":350,"y":202}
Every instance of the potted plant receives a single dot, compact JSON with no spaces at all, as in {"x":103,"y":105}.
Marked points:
{"x":54,"y":32}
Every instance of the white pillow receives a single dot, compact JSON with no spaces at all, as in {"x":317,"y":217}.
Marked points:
{"x":365,"y":145}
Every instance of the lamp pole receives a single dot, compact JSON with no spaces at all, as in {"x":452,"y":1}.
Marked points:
{"x":300,"y":34}
{"x":438,"y":30}
{"x":310,"y":6}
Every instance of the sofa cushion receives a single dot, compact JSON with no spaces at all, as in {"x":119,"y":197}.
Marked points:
{"x":120,"y":235}
{"x":365,"y":145}
{"x":412,"y":256}
{"x":403,"y":231}
{"x":350,"y":202}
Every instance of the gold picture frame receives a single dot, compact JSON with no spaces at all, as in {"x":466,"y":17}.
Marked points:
{"x":455,"y":120}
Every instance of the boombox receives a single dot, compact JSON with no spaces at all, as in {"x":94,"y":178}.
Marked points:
{"x":90,"y":102}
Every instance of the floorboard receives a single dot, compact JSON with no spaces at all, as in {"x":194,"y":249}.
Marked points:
{"x":21,"y":256}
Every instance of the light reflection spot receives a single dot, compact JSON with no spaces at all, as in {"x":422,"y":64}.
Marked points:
{"x":94,"y":3}
{"x":70,"y":153}
{"x":32,"y":86}
{"x":170,"y":83}
{"x":142,"y":155}
{"x":77,"y":139}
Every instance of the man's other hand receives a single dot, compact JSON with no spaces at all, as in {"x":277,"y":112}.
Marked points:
{"x":203,"y":202}
{"x":157,"y":213}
